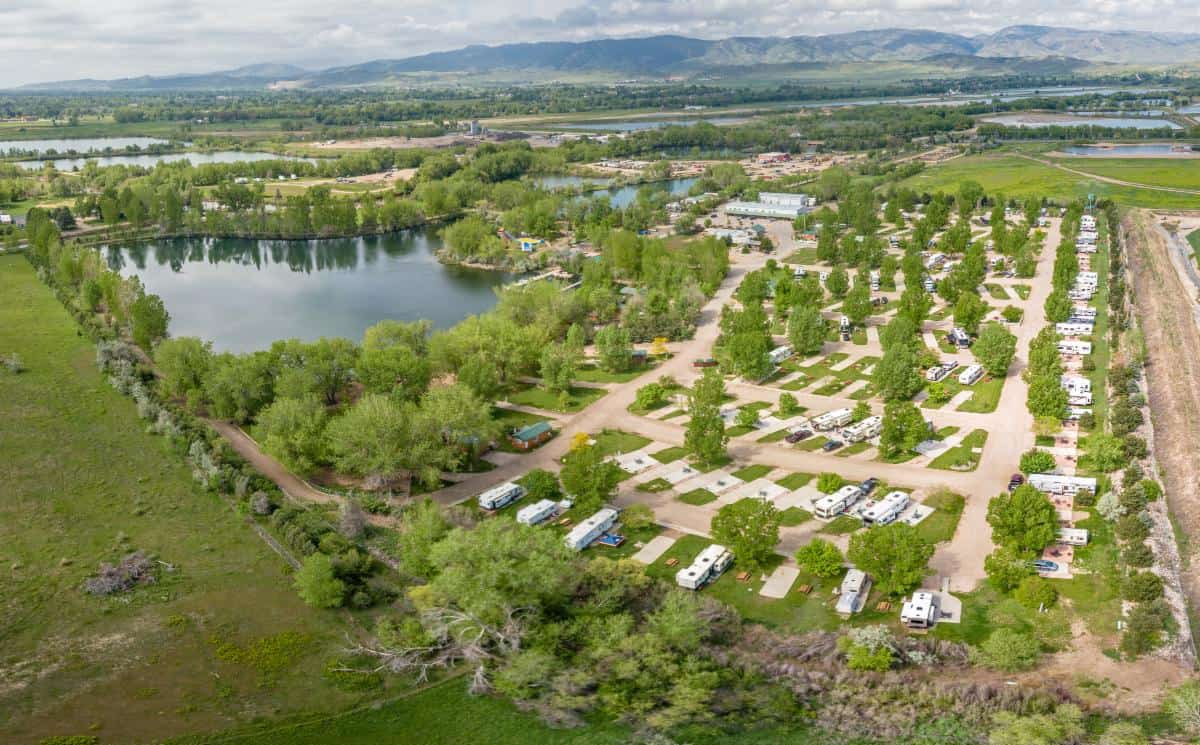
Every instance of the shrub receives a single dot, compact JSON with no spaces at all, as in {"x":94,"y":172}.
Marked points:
{"x":1131,"y":528}
{"x":1035,"y":592}
{"x":1143,"y":587}
{"x":828,"y":483}
{"x":1138,"y":555}
{"x":637,"y":517}
{"x":1135,"y":447}
{"x":1037,"y":461}
{"x":260,"y":503}
{"x":1183,"y":705}
{"x":1109,"y":506}
{"x":1151,"y":489}
{"x":1123,"y":733}
{"x":1008,"y":650}
{"x":317,"y":585}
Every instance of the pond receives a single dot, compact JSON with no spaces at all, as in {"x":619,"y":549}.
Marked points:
{"x":1066,"y":120}
{"x":621,"y":196}
{"x":1151,"y":149}
{"x":83,"y":145}
{"x":244,"y":294}
{"x":149,"y":161}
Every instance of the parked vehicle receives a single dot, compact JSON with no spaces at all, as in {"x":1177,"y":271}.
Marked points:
{"x":868,"y":486}
{"x":707,"y":567}
{"x":799,"y":435}
{"x":832,"y":445}
{"x":1015,"y":480}
{"x":1044,"y":565}
{"x":704,"y":362}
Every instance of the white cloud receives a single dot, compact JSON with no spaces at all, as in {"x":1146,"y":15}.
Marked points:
{"x":59,"y":39}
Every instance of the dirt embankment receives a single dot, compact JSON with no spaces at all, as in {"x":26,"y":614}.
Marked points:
{"x":1166,"y":308}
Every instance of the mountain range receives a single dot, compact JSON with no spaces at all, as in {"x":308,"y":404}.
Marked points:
{"x":659,"y":56}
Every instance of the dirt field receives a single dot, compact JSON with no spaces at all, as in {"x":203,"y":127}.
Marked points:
{"x":1167,"y":309}
{"x":394,"y":143}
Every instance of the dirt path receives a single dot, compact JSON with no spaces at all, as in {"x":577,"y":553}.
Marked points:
{"x":1167,"y":310}
{"x":1109,"y":179}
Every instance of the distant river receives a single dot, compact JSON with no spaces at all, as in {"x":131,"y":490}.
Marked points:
{"x":149,"y":161}
{"x":243,"y":294}
{"x":1066,"y":120}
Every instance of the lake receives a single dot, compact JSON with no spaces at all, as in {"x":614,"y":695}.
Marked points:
{"x":1155,"y":149}
{"x":1066,"y":120}
{"x":83,"y":145}
{"x":622,"y":196}
{"x":149,"y":161}
{"x":243,"y":294}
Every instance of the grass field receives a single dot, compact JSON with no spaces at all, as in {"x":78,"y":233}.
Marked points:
{"x":84,"y":483}
{"x":1182,"y":173}
{"x":1018,"y":177}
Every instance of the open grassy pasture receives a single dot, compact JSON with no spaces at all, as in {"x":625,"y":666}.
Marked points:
{"x":1182,"y":173}
{"x":1015,"y":176}
{"x":218,"y":641}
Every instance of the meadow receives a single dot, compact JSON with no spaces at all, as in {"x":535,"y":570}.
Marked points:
{"x":219,"y":639}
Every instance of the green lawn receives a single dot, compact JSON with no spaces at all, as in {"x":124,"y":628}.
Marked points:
{"x":1193,"y":239}
{"x":540,"y":398}
{"x":1174,"y":172}
{"x":697,"y":497}
{"x":794,"y":516}
{"x":841,"y":525}
{"x":1022,"y":291}
{"x":985,"y":397}
{"x":996,"y":291}
{"x":750,"y":473}
{"x":854,"y":448}
{"x":962,"y":457}
{"x":84,"y":483}
{"x":654,"y":485}
{"x":1018,"y":177}
{"x":775,"y":436}
{"x":794,"y":480}
{"x":613,"y":441}
{"x":670,"y":455}
{"x":813,"y":443}
{"x":940,"y":526}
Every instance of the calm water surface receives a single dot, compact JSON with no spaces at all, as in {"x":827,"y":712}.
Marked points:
{"x":149,"y":161}
{"x":1065,"y":120}
{"x":78,"y":145}
{"x":1162,"y":149}
{"x":243,"y":294}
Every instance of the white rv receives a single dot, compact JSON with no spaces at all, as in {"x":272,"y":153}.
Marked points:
{"x":864,"y":430}
{"x":582,"y":535}
{"x":970,"y":375}
{"x":1075,"y":386}
{"x":832,"y":419}
{"x":1087,"y":222}
{"x":1083,"y":311}
{"x":856,"y":586}
{"x":920,"y":611}
{"x":779,"y":354}
{"x":1078,"y":294}
{"x":885,"y":510}
{"x":537,"y":512}
{"x":1074,"y":329}
{"x":709,"y":565}
{"x":500,"y":496}
{"x":938,"y":373}
{"x":1075,"y":413}
{"x":1075,"y":347}
{"x":936,"y":260}
{"x":1073,"y":536}
{"x":832,"y":505}
{"x":1059,"y":484}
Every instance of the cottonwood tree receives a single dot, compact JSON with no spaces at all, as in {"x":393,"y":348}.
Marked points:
{"x":293,"y":430}
{"x":895,"y":555}
{"x":750,"y":528}
{"x":317,"y":583}
{"x":705,"y":437}
{"x":1024,"y":519}
{"x":903,"y":428}
{"x":896,"y":376}
{"x":995,"y":348}
{"x":183,"y":364}
{"x":806,"y":329}
{"x":588,"y":477}
{"x":821,"y":558}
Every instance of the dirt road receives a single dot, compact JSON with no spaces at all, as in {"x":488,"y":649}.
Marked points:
{"x":1167,"y":310}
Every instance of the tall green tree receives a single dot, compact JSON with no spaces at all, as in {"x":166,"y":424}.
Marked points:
{"x":896,"y":556}
{"x":1024,"y":519}
{"x":749,"y":528}
{"x":995,"y":349}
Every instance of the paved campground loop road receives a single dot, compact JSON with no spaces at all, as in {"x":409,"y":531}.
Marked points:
{"x":961,"y":560}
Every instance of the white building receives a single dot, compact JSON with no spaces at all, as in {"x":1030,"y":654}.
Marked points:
{"x":762,"y":209}
{"x":499,"y":496}
{"x":856,"y":586}
{"x":582,"y":535}
{"x":709,"y":565}
{"x":787,"y":200}
{"x":920,"y":611}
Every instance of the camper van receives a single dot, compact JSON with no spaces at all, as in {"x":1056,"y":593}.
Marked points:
{"x":844,"y":328}
{"x":500,"y":496}
{"x":935,"y":260}
{"x":1075,"y":347}
{"x":1076,"y":294}
{"x":832,"y":419}
{"x":1074,"y":385}
{"x":864,"y":430}
{"x":1073,"y":536}
{"x":874,"y":281}
{"x":779,"y":354}
{"x":885,"y":510}
{"x":538,"y":512}
{"x":709,"y":565}
{"x":959,"y":337}
{"x":938,"y":373}
{"x":1084,"y":311}
{"x":856,"y":586}
{"x":921,"y":611}
{"x":800,"y":273}
{"x":832,"y":505}
{"x":583,"y":534}
{"x":1059,"y":484}
{"x":928,"y":284}
{"x":1073,"y":329}
{"x":970,"y":375}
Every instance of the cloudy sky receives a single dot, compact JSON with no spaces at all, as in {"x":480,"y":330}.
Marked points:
{"x":43,"y":40}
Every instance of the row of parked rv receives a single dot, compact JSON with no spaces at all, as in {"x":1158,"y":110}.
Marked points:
{"x":581,"y":536}
{"x":969,"y":375}
{"x":831,"y":420}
